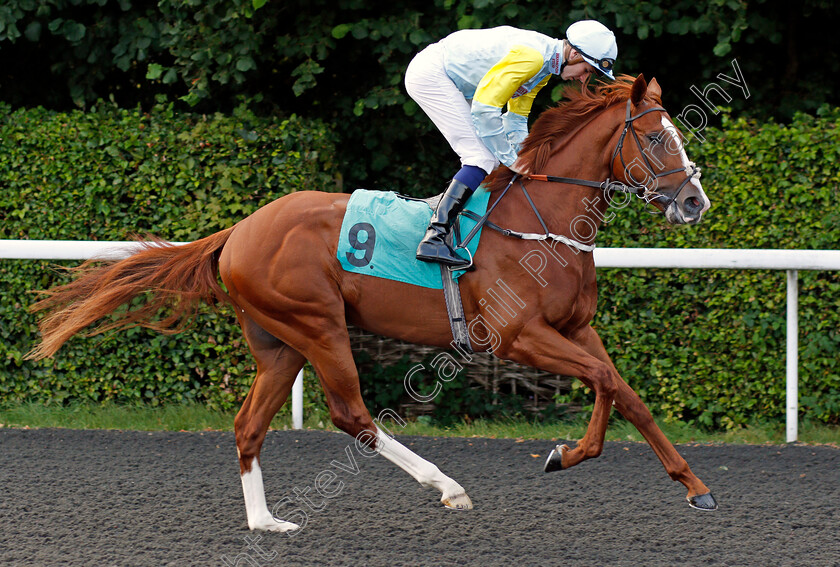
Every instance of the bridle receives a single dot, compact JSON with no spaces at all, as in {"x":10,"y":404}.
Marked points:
{"x":650,"y":194}
{"x":642,"y":191}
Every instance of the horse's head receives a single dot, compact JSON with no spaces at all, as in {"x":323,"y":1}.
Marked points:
{"x":619,"y":131}
{"x":650,"y":155}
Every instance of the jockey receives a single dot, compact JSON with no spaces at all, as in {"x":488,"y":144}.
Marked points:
{"x":462,"y":83}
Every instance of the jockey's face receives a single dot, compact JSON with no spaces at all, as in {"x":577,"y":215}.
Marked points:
{"x":577,"y":72}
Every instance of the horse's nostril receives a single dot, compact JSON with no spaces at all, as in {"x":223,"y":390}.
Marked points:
{"x":692,"y":204}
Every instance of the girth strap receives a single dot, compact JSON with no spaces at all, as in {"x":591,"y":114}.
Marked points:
{"x":455,"y":310}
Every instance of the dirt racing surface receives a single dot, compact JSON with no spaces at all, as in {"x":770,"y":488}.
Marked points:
{"x":136,"y":498}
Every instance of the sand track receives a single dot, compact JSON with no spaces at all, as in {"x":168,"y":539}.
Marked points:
{"x":136,"y":498}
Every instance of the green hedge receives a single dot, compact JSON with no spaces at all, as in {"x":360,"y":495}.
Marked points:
{"x":705,"y":346}
{"x":109,"y":173}
{"x":708,"y":346}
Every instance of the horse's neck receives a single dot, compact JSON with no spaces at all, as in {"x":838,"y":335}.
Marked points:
{"x":585,"y":154}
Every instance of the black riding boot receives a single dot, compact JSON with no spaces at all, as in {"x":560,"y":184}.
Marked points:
{"x":433,"y":247}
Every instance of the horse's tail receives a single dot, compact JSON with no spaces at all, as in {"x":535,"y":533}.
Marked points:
{"x":175,"y":281}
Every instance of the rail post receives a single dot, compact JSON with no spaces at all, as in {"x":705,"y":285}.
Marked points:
{"x":792,"y":357}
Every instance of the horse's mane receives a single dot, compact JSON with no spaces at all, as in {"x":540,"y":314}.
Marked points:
{"x":555,"y":123}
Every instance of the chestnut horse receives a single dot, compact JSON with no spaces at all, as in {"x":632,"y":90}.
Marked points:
{"x":294,"y":302}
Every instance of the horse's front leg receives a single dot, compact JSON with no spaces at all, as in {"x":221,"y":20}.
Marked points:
{"x":541,"y":346}
{"x":628,"y":403}
{"x":631,"y":406}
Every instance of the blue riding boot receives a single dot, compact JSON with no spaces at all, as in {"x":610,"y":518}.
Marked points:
{"x":433,"y":247}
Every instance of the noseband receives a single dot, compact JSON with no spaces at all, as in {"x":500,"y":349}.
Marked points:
{"x":642,"y":191}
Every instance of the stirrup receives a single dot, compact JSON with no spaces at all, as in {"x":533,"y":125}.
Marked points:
{"x":459,"y":268}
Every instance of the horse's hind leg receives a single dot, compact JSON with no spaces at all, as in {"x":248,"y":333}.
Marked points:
{"x":332,"y":359}
{"x":277,"y":366}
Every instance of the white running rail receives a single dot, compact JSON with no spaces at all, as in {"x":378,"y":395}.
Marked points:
{"x":670,"y":258}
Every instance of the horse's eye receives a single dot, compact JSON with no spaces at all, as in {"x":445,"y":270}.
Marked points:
{"x":655,"y":138}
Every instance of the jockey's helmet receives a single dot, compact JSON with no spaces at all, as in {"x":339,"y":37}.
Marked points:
{"x":596,"y":44}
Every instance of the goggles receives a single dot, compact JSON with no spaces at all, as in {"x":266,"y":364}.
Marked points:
{"x":604,"y":65}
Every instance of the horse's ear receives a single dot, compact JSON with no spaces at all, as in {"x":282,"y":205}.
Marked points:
{"x":654,"y":90}
{"x":637,"y":92}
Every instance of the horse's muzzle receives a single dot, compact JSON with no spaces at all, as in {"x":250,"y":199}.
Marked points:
{"x":687,"y":211}
{"x":688,"y":207}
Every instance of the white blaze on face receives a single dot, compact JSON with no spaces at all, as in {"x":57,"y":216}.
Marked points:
{"x":674,"y":146}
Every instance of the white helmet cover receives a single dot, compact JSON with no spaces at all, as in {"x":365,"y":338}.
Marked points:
{"x":596,"y":44}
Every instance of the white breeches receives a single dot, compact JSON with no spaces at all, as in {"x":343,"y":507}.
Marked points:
{"x":431,"y":88}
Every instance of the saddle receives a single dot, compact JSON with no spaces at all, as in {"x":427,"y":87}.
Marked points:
{"x":380,"y":233}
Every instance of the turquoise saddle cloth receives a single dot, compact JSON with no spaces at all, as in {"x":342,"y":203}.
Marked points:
{"x":381,"y":230}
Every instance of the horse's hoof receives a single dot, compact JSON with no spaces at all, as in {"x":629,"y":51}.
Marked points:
{"x":274,"y":526}
{"x":459,"y":502}
{"x":554,"y":462}
{"x":703,"y":501}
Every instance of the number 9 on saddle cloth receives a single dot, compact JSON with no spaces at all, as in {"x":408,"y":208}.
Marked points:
{"x":381,"y":230}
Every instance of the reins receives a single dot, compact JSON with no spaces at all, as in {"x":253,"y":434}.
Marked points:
{"x":641,"y":191}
